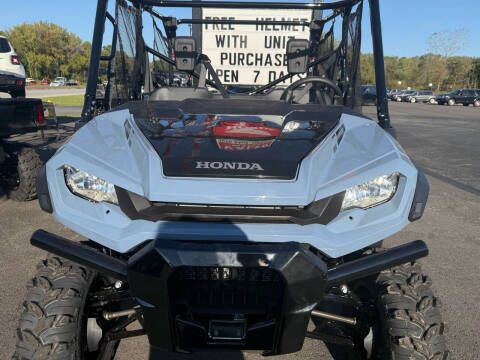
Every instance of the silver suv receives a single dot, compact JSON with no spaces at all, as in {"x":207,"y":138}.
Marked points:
{"x":425,"y":96}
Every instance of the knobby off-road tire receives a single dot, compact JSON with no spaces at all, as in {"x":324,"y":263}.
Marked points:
{"x":413,"y":324}
{"x":52,"y":325}
{"x":28,"y":165}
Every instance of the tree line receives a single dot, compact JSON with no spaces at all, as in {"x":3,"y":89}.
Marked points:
{"x":439,"y":69}
{"x":48,"y":50}
{"x":430,"y":71}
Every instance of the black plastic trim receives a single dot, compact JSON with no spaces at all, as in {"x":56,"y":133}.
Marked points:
{"x":42,"y":191}
{"x":318,"y":212}
{"x":420,"y":198}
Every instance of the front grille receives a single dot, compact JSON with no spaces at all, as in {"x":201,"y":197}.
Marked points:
{"x":217,"y":290}
{"x":318,"y":212}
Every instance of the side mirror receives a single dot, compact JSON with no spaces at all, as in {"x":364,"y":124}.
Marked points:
{"x":185,"y":49}
{"x":297,"y":55}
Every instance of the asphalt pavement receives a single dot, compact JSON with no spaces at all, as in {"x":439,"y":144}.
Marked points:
{"x":444,"y":141}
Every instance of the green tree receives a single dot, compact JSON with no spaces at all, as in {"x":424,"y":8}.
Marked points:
{"x":48,"y":50}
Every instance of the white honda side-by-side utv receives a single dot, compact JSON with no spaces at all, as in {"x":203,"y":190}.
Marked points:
{"x":221,"y":219}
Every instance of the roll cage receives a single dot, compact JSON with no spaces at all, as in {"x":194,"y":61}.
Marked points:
{"x":92,"y":104}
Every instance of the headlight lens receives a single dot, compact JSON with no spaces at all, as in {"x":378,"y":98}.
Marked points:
{"x":371,"y":193}
{"x":89,"y":186}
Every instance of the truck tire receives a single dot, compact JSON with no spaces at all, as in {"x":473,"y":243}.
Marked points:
{"x":409,"y":322}
{"x":28,"y":165}
{"x":52,"y":325}
{"x":400,"y":318}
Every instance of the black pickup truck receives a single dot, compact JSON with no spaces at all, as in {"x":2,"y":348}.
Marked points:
{"x":19,"y":162}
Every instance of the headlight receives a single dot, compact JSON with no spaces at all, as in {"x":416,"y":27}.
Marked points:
{"x":89,"y":186}
{"x":371,"y":193}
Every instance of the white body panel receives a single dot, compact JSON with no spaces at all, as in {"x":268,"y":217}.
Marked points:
{"x":101,"y":148}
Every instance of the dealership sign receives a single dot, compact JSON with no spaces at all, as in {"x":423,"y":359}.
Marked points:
{"x":250,"y":54}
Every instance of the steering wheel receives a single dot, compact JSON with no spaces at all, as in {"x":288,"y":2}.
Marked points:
{"x":313,"y":79}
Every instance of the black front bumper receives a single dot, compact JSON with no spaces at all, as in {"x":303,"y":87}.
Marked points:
{"x":248,"y":296}
{"x":236,"y":295}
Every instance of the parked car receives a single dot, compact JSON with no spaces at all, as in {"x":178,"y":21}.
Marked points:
{"x":56,"y":83}
{"x":421,"y":96}
{"x":45,"y":82}
{"x":30,"y":81}
{"x":72,"y":82}
{"x":393,"y":94}
{"x":404,"y":95}
{"x":463,"y":96}
{"x":397,"y":96}
{"x":369,"y":95}
{"x":59,"y":81}
{"x":12,"y":72}
{"x":443,"y":98}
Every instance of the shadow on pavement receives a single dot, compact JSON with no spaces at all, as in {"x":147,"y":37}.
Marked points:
{"x":198,"y":355}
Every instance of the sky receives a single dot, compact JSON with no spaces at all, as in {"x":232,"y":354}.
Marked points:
{"x":406,"y":24}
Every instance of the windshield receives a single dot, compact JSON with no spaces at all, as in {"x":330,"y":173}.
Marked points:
{"x":247,"y":51}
